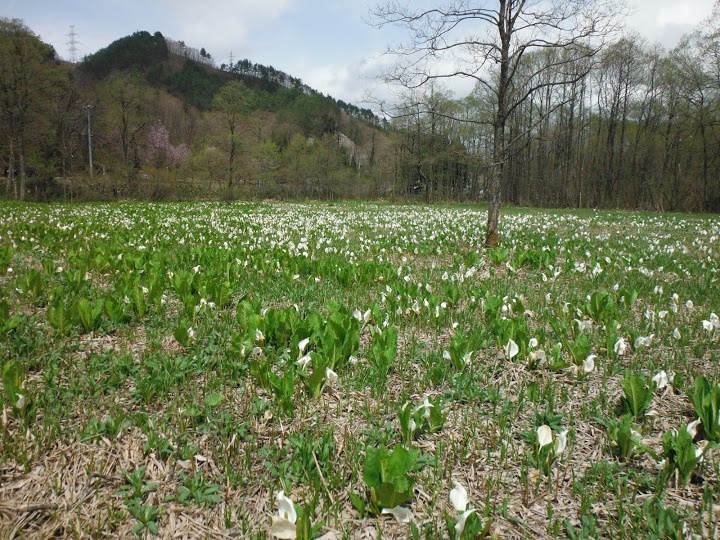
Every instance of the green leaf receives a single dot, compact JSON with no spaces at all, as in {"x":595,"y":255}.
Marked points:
{"x":637,"y":394}
{"x":12,"y":377}
{"x":359,"y":504}
{"x":213,"y":400}
{"x":387,"y":474}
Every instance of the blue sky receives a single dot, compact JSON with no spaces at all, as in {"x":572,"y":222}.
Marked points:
{"x":325,"y":43}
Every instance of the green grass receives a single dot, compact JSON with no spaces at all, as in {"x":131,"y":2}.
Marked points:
{"x":156,"y":376}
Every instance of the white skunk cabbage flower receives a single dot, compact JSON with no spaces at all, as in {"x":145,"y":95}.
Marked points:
{"x":459,"y":500}
{"x":331,"y":376}
{"x":259,"y":336}
{"x":401,"y":515}
{"x":303,"y":361}
{"x":511,"y":350}
{"x":620,"y":347}
{"x":459,"y":497}
{"x":460,"y":525}
{"x":544,"y":435}
{"x":425,"y":406}
{"x":283,"y":525}
{"x":700,"y":448}
{"x":660,"y":379}
{"x":561,"y":442}
{"x":692,"y":427}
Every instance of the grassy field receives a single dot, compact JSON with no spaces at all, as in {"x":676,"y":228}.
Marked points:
{"x":357,"y":371}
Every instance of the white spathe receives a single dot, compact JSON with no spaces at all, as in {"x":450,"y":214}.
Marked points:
{"x":283,"y":525}
{"x":544,"y":435}
{"x":401,"y":515}
{"x":511,"y":350}
{"x":459,"y":497}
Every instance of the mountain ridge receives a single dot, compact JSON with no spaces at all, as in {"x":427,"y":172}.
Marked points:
{"x":159,"y":57}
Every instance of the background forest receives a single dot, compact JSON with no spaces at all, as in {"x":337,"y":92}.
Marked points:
{"x":640,"y":129}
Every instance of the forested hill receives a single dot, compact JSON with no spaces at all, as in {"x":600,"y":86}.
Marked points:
{"x":191,"y":74}
{"x":151,"y":118}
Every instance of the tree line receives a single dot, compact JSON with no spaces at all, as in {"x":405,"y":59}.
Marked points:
{"x":633,"y":126}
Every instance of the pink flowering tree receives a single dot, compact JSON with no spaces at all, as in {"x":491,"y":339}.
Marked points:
{"x":160,"y":151}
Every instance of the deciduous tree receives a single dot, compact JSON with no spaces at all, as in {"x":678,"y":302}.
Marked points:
{"x":487,"y":42}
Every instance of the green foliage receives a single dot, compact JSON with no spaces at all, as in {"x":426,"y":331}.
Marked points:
{"x":196,"y":83}
{"x":110,"y":426}
{"x":139,"y":51}
{"x":147,"y":516}
{"x":33,"y":284}
{"x":13,"y":378}
{"x":601,"y":306}
{"x":498,"y":255}
{"x":706,"y":399}
{"x":283,"y":387}
{"x":89,"y":315}
{"x":7,"y":323}
{"x":461,"y":349}
{"x":579,"y":348}
{"x":383,"y":351}
{"x":61,"y":316}
{"x":184,"y":333}
{"x":637,"y":394}
{"x":304,"y":527}
{"x":428,"y":417}
{"x":661,"y":523}
{"x":194,"y":488}
{"x":680,"y":454}
{"x":135,"y":487}
{"x":624,"y":440}
{"x":474,"y":528}
{"x":340,"y":338}
{"x":315,"y":382}
{"x":388,"y":475}
{"x":6,"y":257}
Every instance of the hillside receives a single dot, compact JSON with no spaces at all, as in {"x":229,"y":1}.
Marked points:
{"x":191,"y":74}
{"x":151,"y":118}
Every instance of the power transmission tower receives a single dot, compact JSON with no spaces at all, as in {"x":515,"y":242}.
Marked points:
{"x":72,"y":44}
{"x":231,"y":61}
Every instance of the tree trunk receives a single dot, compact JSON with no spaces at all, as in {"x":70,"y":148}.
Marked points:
{"x":10,"y":182}
{"x":493,"y":237}
{"x":499,"y":154}
{"x":21,"y":159}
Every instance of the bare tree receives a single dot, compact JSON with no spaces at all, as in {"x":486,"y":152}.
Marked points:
{"x":487,"y":41}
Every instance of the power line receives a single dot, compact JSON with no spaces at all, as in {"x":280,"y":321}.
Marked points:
{"x":73,"y":44}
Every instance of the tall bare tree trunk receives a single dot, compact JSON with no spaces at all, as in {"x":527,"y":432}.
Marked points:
{"x":493,"y":236}
{"x":499,"y":152}
{"x":10,"y":181}
{"x":21,"y":158}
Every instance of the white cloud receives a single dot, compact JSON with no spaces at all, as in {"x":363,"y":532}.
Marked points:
{"x":222,"y":25}
{"x":666,"y":21}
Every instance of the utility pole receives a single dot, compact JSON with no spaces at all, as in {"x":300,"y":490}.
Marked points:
{"x":72,"y":44}
{"x":88,"y":110}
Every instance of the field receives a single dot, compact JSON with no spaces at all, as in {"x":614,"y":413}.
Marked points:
{"x":188,"y":370}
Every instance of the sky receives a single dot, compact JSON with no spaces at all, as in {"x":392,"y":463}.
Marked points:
{"x":326,"y":43}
